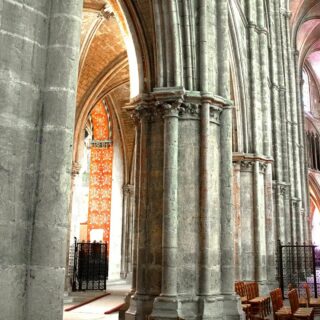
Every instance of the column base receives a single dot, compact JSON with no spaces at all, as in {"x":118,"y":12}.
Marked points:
{"x":140,"y":307}
{"x":222,"y":307}
{"x":226,"y":307}
{"x":165,"y":308}
{"x":124,"y":309}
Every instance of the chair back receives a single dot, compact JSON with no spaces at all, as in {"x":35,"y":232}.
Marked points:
{"x":239,"y":288}
{"x":251,"y":290}
{"x":279,"y":297}
{"x":256,"y":289}
{"x":294,"y":300}
{"x":276,"y":299}
{"x":308,"y":292}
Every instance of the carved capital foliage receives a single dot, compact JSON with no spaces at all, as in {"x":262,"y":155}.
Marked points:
{"x":169,"y":109}
{"x":263,"y":166}
{"x":75,"y":168}
{"x":128,"y":189}
{"x":175,"y":102}
{"x":191,"y":109}
{"x":248,"y":160}
{"x":285,"y":13}
{"x":160,"y":110}
{"x":246,"y":165}
{"x":282,"y":188}
{"x":215,"y":113}
{"x":296,"y":202}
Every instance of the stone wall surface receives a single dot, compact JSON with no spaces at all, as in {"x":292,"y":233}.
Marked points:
{"x":38,"y":81}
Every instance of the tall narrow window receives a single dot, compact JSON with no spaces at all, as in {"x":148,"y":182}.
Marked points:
{"x":306,"y":91}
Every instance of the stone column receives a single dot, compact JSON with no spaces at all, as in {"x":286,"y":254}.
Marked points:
{"x":237,"y":217}
{"x":74,"y":174}
{"x":146,"y":274}
{"x":254,"y":188}
{"x":126,"y":229}
{"x":227,"y":216}
{"x":46,"y":273}
{"x":23,"y":37}
{"x":166,"y":305}
{"x":180,"y":233}
{"x":205,"y":219}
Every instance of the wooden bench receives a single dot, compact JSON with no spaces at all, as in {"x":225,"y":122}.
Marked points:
{"x":297,"y":311}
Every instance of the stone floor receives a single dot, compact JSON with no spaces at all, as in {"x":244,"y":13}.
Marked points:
{"x":95,"y":310}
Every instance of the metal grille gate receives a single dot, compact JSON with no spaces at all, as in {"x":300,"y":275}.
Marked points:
{"x":90,"y":269}
{"x":297,"y":265}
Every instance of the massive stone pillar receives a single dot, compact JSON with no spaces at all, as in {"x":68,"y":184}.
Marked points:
{"x":39,"y":61}
{"x":48,"y":243}
{"x":185,"y":225}
{"x":23,"y":38}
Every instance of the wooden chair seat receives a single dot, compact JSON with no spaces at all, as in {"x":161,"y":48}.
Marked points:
{"x":298,"y":312}
{"x":279,"y":310}
{"x":260,"y":305}
{"x":284,"y":313}
{"x":244,"y":300}
{"x":257,"y":300}
{"x":303,"y":313}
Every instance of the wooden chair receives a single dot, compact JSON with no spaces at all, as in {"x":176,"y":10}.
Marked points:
{"x":297,"y":311}
{"x":303,"y":301}
{"x":260,"y":306}
{"x":312,"y":302}
{"x":240,"y":289}
{"x":279,"y":310}
{"x":247,"y":310}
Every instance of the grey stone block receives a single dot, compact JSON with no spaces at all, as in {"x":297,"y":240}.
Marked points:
{"x":49,"y":245}
{"x":45,"y":293}
{"x":12,"y":291}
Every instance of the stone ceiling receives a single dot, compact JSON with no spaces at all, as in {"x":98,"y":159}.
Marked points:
{"x":305,"y":21}
{"x":103,"y":68}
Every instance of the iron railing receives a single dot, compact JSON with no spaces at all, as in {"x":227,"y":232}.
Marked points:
{"x":297,"y":265}
{"x":90,"y":269}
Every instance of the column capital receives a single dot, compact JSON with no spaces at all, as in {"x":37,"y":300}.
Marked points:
{"x":176,"y":102}
{"x":128,"y":188}
{"x":75,"y":169}
{"x":247,"y":161}
{"x":286,"y":13}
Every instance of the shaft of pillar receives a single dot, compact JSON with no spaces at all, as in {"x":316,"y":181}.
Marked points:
{"x":227,"y":218}
{"x":170,"y":200}
{"x":205,"y":228}
{"x":137,"y":206}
